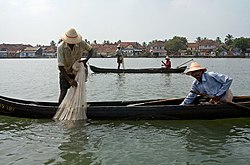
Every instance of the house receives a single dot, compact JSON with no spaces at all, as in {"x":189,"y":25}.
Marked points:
{"x":157,"y":49}
{"x":247,"y":53}
{"x":104,"y":50}
{"x":192,"y":48}
{"x":109,"y":49}
{"x":131,"y":48}
{"x":236,"y":51}
{"x":32,"y":52}
{"x":49,"y":51}
{"x":207,"y":47}
{"x":3,"y":53}
{"x":13,"y":50}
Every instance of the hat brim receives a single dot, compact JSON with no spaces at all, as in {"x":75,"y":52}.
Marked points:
{"x":195,"y":69}
{"x":75,"y":40}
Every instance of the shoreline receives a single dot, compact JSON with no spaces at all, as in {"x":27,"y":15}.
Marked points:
{"x":133,"y":57}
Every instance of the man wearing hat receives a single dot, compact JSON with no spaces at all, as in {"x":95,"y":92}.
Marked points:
{"x":212,"y":84}
{"x":120,"y":57}
{"x":68,"y":52}
{"x":167,"y":64}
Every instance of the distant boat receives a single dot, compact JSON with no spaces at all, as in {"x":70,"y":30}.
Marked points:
{"x":143,"y":70}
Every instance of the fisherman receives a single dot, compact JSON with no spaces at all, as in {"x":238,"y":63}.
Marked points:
{"x":120,"y":57}
{"x":167,"y":64}
{"x":69,"y":51}
{"x":212,"y":84}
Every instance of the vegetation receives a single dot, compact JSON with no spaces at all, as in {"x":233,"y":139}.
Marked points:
{"x":175,"y":44}
{"x":241,"y":43}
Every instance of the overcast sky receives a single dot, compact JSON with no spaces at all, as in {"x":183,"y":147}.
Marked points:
{"x":41,"y":21}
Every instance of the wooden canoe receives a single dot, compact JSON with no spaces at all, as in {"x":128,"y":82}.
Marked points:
{"x":168,"y":109}
{"x":145,"y":70}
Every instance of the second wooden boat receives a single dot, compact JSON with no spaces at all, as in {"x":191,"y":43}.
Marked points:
{"x":143,"y":70}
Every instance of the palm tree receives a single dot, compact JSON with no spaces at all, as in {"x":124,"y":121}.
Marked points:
{"x":229,"y":39}
{"x":198,"y":39}
{"x":218,"y":40}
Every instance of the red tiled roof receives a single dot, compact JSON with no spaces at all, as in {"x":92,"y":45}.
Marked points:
{"x":207,"y":42}
{"x":192,"y":45}
{"x":105,"y":48}
{"x":13,"y":47}
{"x":157,"y":44}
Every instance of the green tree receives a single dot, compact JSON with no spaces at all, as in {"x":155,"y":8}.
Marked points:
{"x":218,"y":40}
{"x":229,"y":40}
{"x":176,"y":43}
{"x":242,"y":43}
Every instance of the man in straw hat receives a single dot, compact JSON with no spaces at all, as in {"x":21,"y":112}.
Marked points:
{"x":212,"y":84}
{"x":68,"y":52}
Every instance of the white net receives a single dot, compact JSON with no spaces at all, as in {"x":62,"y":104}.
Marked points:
{"x":74,"y":106}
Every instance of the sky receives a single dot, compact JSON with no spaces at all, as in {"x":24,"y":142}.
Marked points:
{"x":42,"y":21}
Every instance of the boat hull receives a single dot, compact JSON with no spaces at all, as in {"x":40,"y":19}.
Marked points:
{"x":167,"y":110}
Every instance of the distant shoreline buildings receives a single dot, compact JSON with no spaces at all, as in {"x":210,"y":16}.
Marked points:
{"x":154,"y":49}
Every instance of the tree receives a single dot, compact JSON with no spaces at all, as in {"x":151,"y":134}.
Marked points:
{"x":242,"y":43}
{"x":52,"y":43}
{"x":218,"y":40}
{"x":229,"y":39}
{"x":176,"y":43}
{"x":198,"y":39}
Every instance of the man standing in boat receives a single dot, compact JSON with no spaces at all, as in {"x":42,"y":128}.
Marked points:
{"x":211,"y":84}
{"x":120,"y":57}
{"x":69,"y":51}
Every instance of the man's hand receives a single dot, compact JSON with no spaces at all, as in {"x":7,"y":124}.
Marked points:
{"x":73,"y":83}
{"x":215,"y":100}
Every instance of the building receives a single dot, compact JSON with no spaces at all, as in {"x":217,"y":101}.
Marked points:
{"x":32,"y":52}
{"x":49,"y":51}
{"x":157,"y":49}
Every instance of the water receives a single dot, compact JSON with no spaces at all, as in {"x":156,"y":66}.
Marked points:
{"x":31,"y":141}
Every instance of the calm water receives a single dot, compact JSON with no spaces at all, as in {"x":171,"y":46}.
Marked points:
{"x":29,"y":141}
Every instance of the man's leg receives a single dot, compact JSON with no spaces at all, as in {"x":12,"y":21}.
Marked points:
{"x":119,"y":64}
{"x":64,"y":86}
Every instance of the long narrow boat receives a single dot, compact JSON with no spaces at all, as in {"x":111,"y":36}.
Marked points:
{"x":143,"y":70}
{"x":166,"y":109}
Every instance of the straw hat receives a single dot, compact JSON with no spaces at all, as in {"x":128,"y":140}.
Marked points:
{"x":194,"y":66}
{"x":167,"y":57}
{"x":72,"y":37}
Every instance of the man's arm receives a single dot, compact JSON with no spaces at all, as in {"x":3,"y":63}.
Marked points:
{"x":72,"y":82}
{"x":225,"y":80}
{"x":90,"y":54}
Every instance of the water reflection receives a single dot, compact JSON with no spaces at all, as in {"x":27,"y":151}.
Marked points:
{"x":120,"y":79}
{"x":211,"y":141}
{"x":15,"y":124}
{"x":74,"y":148}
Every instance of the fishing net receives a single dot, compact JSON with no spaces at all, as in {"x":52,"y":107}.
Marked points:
{"x":74,"y":106}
